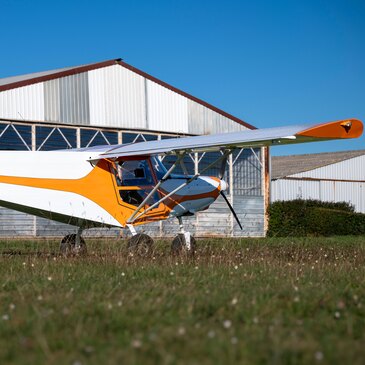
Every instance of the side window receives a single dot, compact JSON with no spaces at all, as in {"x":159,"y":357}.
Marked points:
{"x":135,"y":181}
{"x":134,"y":173}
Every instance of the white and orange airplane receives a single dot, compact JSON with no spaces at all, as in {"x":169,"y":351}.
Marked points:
{"x":127,"y":185}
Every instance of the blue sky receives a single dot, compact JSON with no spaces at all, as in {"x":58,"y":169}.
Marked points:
{"x":269,"y":63}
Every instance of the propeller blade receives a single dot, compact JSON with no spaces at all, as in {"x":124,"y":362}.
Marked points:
{"x":231,"y":209}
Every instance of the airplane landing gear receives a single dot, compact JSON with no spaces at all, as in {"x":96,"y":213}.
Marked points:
{"x":184,"y":242}
{"x":140,"y":244}
{"x":73,"y":244}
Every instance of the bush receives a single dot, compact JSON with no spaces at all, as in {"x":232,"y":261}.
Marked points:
{"x":313,"y":217}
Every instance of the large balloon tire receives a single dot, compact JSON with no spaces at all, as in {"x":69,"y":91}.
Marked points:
{"x":141,"y":245}
{"x":68,"y":246}
{"x":178,"y":246}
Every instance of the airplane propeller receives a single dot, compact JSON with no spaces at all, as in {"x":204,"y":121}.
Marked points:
{"x":221,"y":175}
{"x":231,"y":208}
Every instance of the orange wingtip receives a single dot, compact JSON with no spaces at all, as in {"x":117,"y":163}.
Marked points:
{"x":347,"y":128}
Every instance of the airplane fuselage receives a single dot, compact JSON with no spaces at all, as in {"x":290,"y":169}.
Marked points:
{"x":65,"y":187}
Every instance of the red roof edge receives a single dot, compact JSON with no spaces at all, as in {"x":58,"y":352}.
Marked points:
{"x":56,"y":75}
{"x":94,"y":66}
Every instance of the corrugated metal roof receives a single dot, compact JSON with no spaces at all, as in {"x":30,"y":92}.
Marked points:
{"x":282,"y":166}
{"x":29,"y":79}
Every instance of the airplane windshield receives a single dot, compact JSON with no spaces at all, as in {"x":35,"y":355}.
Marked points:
{"x":158,"y":167}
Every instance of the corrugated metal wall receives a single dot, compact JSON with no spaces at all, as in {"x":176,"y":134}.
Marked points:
{"x":24,"y":103}
{"x":113,"y":96}
{"x":326,"y":184}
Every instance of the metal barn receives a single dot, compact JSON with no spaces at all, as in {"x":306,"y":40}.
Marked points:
{"x":332,"y":177}
{"x":112,"y":102}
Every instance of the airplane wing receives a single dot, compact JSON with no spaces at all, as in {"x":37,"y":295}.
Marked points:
{"x":349,"y":128}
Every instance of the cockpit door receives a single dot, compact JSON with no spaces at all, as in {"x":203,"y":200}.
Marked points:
{"x":134,"y":179}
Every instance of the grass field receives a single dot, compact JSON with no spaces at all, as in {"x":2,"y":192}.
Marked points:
{"x":252,"y":301}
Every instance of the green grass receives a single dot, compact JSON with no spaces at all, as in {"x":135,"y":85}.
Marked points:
{"x":252,"y":301}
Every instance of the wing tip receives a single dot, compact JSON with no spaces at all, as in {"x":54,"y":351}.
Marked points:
{"x":341,"y":129}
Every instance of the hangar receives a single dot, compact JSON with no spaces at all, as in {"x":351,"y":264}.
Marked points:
{"x":113,"y":102}
{"x":332,"y":177}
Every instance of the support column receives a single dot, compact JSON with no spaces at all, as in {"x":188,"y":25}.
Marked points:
{"x":78,"y":138}
{"x":34,"y":148}
{"x":230,"y":164}
{"x":266,"y":183}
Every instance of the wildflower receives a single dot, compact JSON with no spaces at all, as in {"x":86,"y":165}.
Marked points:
{"x":234,"y":301}
{"x":11,"y":306}
{"x":49,"y":278}
{"x":39,"y":298}
{"x":181,"y":331}
{"x":123,"y":274}
{"x":171,"y":273}
{"x":136,"y":344}
{"x":211,"y":334}
{"x":337,"y":315}
{"x":5,"y":317}
{"x":296,"y":299}
{"x":227,"y":323}
{"x":318,"y":356}
{"x":120,"y":303}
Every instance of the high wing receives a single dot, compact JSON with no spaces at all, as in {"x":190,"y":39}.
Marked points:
{"x":349,"y":128}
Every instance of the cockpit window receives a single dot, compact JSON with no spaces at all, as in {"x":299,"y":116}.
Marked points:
{"x":135,"y":173}
{"x":158,"y":167}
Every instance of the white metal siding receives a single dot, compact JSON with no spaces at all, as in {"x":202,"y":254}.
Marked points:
{"x":330,"y":188}
{"x":166,"y":110}
{"x":331,"y":191}
{"x":52,"y":100}
{"x":351,"y":169}
{"x":23,"y":103}
{"x":203,"y":120}
{"x":74,"y":99}
{"x":117,"y":98}
{"x":294,"y":189}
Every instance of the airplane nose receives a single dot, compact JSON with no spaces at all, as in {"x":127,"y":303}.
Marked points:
{"x":224,"y":185}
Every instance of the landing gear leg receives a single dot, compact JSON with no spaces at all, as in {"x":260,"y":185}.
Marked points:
{"x":73,"y":244}
{"x":184,"y":242}
{"x":140,"y":244}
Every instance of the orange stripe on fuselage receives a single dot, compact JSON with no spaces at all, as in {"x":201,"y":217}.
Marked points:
{"x":96,"y":186}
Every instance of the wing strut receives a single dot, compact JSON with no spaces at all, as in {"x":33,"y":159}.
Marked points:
{"x":168,"y":173}
{"x":133,"y":217}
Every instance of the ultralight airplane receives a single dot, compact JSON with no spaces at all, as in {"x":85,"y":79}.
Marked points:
{"x":127,"y":185}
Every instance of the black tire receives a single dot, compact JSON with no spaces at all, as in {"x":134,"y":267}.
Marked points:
{"x":141,"y":244}
{"x":178,"y":246}
{"x":68,"y":246}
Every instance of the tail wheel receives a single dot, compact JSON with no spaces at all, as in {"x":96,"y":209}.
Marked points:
{"x":68,"y":246}
{"x":140,"y":244}
{"x":179,"y":247}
